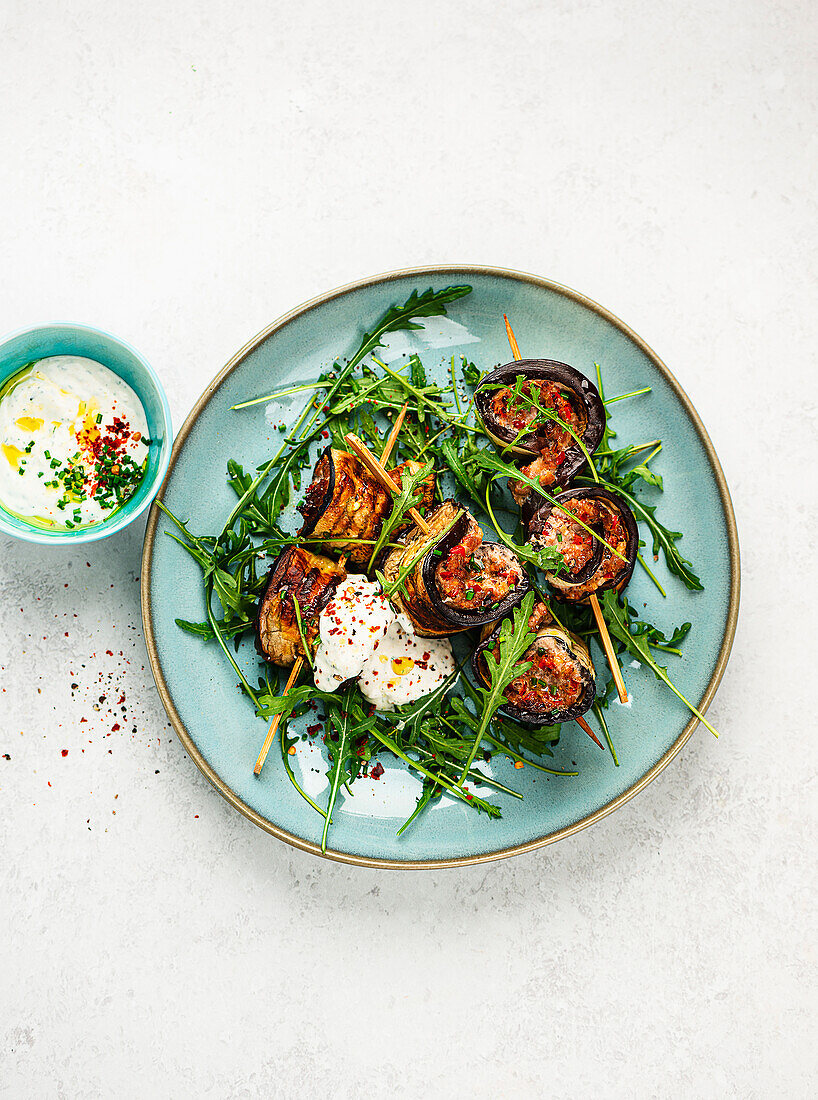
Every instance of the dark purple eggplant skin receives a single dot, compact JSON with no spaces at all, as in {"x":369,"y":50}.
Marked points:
{"x":535,"y":717}
{"x":456,"y":615}
{"x":551,"y":370}
{"x":309,"y":578}
{"x":312,"y":510}
{"x":534,"y":517}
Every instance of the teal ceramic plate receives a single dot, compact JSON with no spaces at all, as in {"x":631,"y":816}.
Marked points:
{"x":216,"y":724}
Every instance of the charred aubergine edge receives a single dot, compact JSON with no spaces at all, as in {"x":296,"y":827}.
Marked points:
{"x":295,"y":574}
{"x":559,"y":686}
{"x":581,"y":394}
{"x":607,"y":515}
{"x":344,"y":500}
{"x":421,"y":597}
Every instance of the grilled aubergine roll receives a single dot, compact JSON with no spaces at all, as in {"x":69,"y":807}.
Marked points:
{"x":560,"y":684}
{"x":510,"y":414}
{"x":295,"y":574}
{"x":456,"y":580}
{"x":592,"y":566}
{"x":344,"y":500}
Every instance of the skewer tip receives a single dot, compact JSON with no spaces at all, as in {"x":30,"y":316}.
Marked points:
{"x":583,"y":725}
{"x":295,"y":672}
{"x":512,"y":339}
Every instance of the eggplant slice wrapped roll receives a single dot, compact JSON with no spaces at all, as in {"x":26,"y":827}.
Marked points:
{"x":457,"y":581}
{"x":592,"y":567}
{"x":344,"y":501}
{"x":513,"y":417}
{"x":295,"y":574}
{"x":559,"y":686}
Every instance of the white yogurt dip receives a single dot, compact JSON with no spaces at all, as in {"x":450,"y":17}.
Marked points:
{"x":363,"y":637}
{"x":404,"y":667}
{"x":73,"y":442}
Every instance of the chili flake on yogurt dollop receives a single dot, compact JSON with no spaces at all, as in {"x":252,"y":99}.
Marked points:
{"x":73,"y":442}
{"x":364,"y":638}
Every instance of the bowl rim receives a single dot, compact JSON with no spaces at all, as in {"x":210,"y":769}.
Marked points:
{"x":120,"y":519}
{"x":352,"y":858}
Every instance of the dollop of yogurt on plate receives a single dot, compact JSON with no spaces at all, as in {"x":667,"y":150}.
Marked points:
{"x":363,"y":637}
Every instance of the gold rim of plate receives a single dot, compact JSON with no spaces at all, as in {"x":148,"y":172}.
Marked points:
{"x":483,"y":857}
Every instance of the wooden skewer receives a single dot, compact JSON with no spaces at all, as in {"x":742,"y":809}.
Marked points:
{"x":295,"y":672}
{"x":374,"y":467}
{"x":607,"y":645}
{"x":393,"y":435}
{"x":602,"y":626}
{"x":512,"y":339}
{"x":584,"y":725}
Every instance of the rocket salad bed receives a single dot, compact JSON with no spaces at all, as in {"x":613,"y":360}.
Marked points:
{"x":445,"y":746}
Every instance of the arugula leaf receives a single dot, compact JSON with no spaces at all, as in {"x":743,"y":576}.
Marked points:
{"x":508,"y":737}
{"x":607,"y":432}
{"x":618,"y":616}
{"x":663,"y":537}
{"x":471,"y":375}
{"x":438,"y":778}
{"x":271,"y":703}
{"x":340,"y":720}
{"x":430,"y":789}
{"x":425,"y":396}
{"x":534,"y":739}
{"x":301,"y":634}
{"x":547,"y":558}
{"x":407,"y":718}
{"x":206,"y":631}
{"x":417,"y":372}
{"x":409,"y":497}
{"x":431,"y":303}
{"x":473,"y":485}
{"x":643,"y":473}
{"x":514,"y":639}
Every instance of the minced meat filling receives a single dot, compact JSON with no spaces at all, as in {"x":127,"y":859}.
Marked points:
{"x":573,"y":541}
{"x":616,"y":535}
{"x":516,"y":410}
{"x":475,"y":574}
{"x":554,"y":681}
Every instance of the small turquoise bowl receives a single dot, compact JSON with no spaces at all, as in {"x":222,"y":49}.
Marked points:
{"x":66,"y":339}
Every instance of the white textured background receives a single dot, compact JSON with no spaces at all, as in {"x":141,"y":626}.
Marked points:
{"x":181,"y":172}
